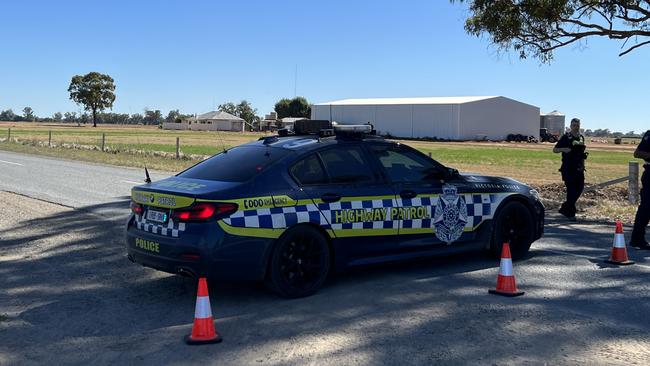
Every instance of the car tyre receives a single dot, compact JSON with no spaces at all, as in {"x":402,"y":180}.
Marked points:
{"x":299,"y":263}
{"x":515,"y":224}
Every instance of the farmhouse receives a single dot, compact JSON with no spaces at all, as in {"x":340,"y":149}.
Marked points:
{"x":211,"y":121}
{"x":454,"y":118}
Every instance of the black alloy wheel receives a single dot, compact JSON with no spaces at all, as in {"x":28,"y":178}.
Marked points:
{"x":514,"y":224}
{"x":299,"y":263}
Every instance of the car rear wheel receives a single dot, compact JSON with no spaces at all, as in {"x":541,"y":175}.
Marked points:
{"x":514,"y":224}
{"x":299,"y":263}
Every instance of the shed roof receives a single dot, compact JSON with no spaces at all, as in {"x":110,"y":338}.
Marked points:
{"x":291,"y":119}
{"x":218,"y":115}
{"x":554,"y":113}
{"x":420,"y":100}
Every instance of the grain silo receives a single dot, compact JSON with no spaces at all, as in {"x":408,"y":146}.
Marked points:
{"x":553,"y":121}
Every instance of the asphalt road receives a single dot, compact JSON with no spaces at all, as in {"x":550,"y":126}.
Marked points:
{"x":69,"y":296}
{"x":71,"y":183}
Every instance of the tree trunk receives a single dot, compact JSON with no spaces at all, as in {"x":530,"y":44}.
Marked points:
{"x":94,"y":118}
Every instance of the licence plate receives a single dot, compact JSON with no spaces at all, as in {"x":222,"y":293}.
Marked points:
{"x":157,"y":216}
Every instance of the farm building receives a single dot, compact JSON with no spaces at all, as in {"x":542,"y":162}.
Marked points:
{"x":454,"y":118}
{"x":553,"y":121}
{"x":271,"y":122}
{"x":211,"y":121}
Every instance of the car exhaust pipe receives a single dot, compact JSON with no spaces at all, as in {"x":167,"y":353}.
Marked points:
{"x":186,"y":272}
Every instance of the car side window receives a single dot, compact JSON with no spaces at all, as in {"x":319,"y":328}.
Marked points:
{"x":404,"y":165}
{"x":308,"y":171}
{"x":346,"y":164}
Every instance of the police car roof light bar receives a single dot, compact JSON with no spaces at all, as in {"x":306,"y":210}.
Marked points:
{"x":324,"y":128}
{"x":353,"y":128}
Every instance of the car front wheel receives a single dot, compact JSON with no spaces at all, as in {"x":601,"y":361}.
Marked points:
{"x":513,"y":224}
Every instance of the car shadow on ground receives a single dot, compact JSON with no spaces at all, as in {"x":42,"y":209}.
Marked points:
{"x":68,"y":288}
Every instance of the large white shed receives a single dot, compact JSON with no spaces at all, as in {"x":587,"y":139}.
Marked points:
{"x":454,"y":118}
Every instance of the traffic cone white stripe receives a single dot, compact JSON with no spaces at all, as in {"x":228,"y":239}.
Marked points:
{"x":506,"y":267}
{"x":202,"y":309}
{"x":619,"y":241}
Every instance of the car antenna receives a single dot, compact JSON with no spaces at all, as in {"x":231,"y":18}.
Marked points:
{"x":223,"y":145}
{"x":146,"y":173}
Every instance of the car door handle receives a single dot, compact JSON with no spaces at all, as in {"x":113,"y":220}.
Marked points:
{"x":408,"y":194}
{"x":330,"y":197}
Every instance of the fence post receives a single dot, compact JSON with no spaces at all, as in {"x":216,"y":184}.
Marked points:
{"x":429,"y":153}
{"x":103,"y":140}
{"x":49,"y":138}
{"x":178,"y":147}
{"x":633,"y":187}
{"x":9,"y":135}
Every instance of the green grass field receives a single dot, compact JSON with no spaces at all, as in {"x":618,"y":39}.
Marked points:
{"x":133,"y":146}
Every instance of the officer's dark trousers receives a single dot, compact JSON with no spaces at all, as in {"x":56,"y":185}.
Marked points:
{"x":575,"y":183}
{"x":643,"y":212}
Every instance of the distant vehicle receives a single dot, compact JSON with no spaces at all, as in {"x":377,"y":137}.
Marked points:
{"x":521,"y":138}
{"x":544,"y":136}
{"x":292,"y":209}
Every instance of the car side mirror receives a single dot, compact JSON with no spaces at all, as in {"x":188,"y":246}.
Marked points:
{"x":449,"y":174}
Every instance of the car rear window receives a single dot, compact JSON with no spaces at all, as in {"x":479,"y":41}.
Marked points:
{"x":238,"y":164}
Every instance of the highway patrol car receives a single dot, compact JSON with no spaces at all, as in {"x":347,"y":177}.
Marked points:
{"x":290,"y":209}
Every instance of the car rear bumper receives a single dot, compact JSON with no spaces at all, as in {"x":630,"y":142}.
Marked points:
{"x":201,"y":251}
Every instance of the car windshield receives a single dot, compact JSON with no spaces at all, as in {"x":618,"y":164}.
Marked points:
{"x":238,"y":164}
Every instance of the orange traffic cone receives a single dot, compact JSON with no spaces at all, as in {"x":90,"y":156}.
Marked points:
{"x":203,"y":329}
{"x":619,"y":250}
{"x":506,"y":285}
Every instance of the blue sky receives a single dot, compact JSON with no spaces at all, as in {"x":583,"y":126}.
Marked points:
{"x":195,"y":55}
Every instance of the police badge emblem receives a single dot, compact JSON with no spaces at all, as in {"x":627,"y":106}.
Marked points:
{"x":450,"y":216}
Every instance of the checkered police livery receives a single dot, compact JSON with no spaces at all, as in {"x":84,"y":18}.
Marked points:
{"x":329,"y":211}
{"x":277,"y":217}
{"x":480,"y":206}
{"x":321,"y":214}
{"x":170,"y":229}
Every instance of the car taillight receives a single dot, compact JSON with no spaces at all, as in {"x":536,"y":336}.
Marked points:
{"x":136,"y":208}
{"x":204,"y":211}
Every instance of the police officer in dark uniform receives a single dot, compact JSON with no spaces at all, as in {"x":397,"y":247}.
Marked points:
{"x":572,"y":147}
{"x":643,"y":212}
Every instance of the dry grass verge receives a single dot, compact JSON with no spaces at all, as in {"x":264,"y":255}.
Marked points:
{"x":605,"y":205}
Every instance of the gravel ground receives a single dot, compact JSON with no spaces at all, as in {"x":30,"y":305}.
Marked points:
{"x":604,"y":205}
{"x":69,"y":296}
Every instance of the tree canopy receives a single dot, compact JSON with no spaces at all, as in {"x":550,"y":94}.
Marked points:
{"x":296,"y":107}
{"x":229,"y":107}
{"x":152,"y":117}
{"x":243,"y":110}
{"x":538,"y":27}
{"x":94,"y":91}
{"x":28,"y":114}
{"x":7,"y":115}
{"x":173,"y":116}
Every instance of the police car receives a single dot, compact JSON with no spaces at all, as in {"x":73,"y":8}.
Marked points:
{"x":293,"y":208}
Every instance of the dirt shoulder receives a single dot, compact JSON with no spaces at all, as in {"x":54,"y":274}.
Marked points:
{"x":605,"y":205}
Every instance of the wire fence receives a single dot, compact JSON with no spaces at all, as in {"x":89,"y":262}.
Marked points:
{"x":168,"y":146}
{"x":171,"y":147}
